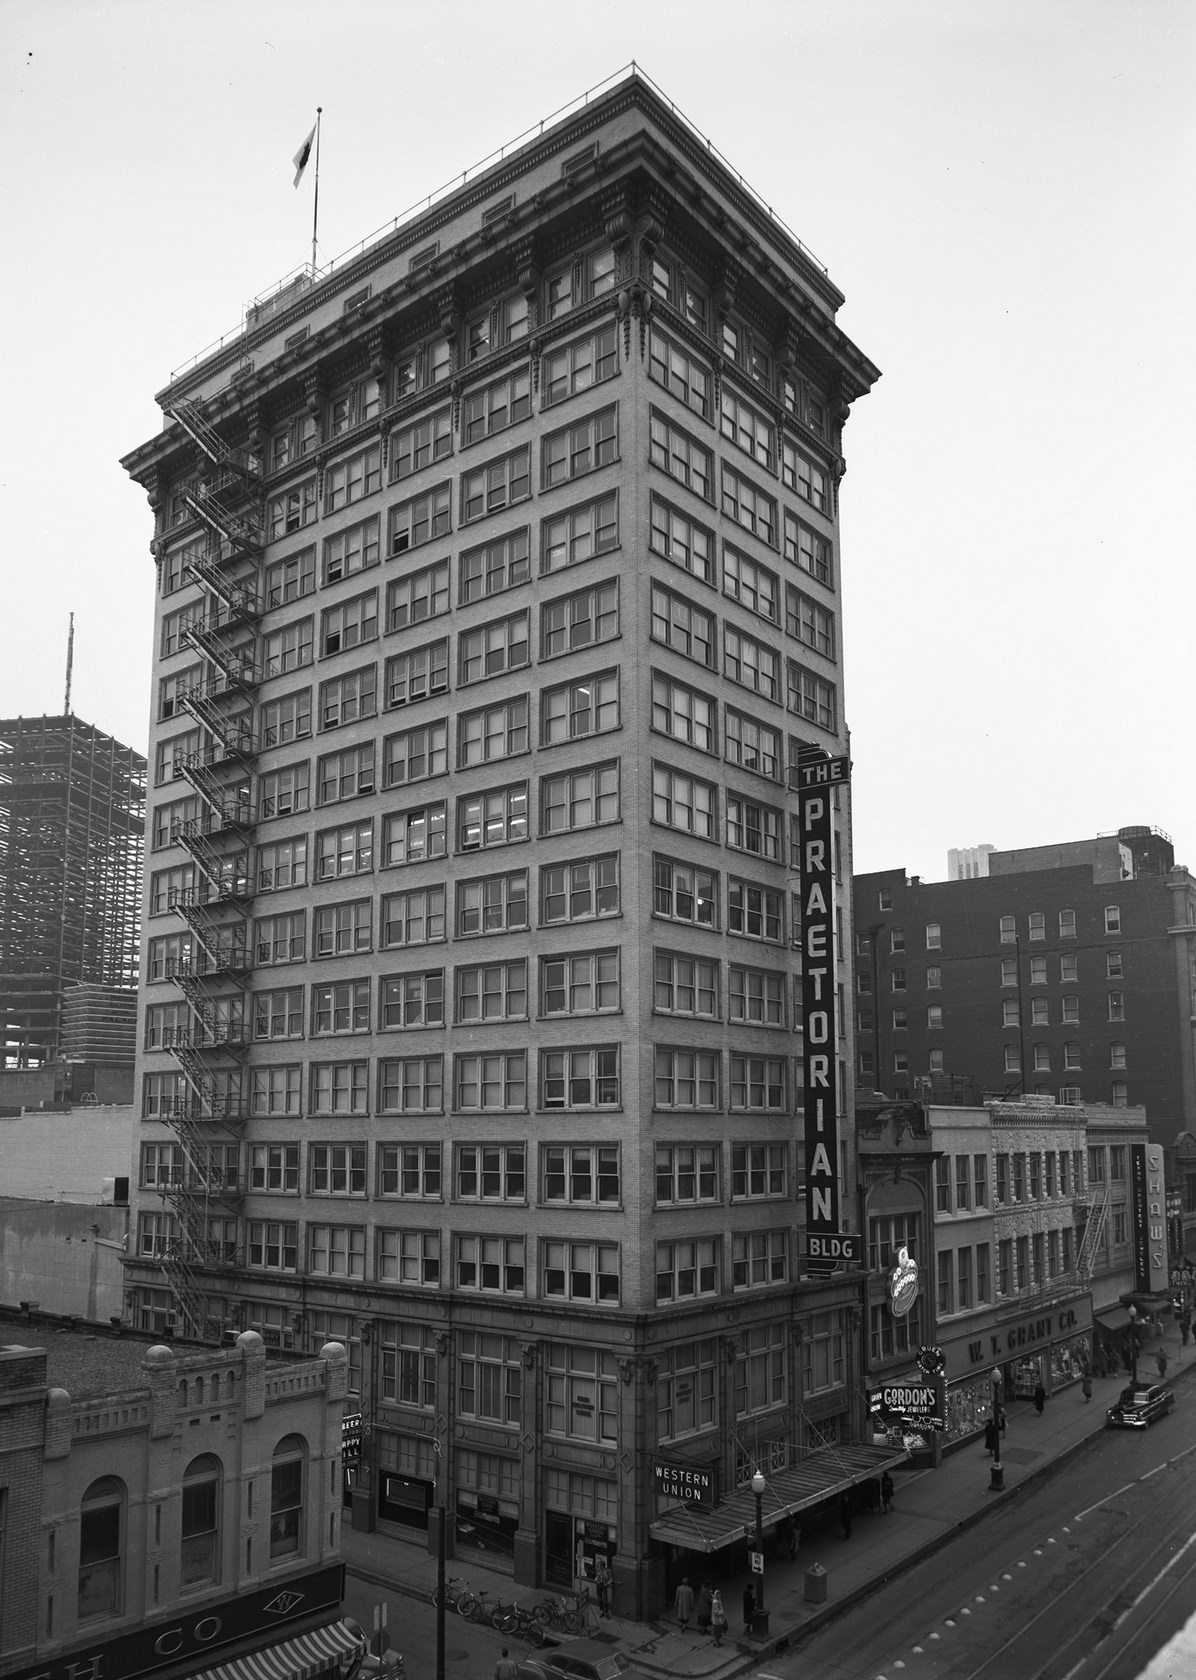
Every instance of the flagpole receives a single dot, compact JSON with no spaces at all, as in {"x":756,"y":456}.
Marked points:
{"x":315,"y":215}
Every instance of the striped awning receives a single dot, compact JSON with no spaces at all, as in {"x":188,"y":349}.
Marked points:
{"x":305,"y":1658}
{"x":703,"y":1528}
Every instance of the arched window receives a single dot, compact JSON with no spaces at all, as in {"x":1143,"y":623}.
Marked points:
{"x":101,"y":1545}
{"x":286,"y":1496}
{"x":200,"y":1550}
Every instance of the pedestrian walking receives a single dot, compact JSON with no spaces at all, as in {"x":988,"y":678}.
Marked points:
{"x":1039,"y":1399}
{"x":886,"y":1493}
{"x":749,"y":1606}
{"x":505,"y":1668}
{"x":684,"y":1602}
{"x":1086,"y":1385}
{"x":1160,"y":1360}
{"x":990,"y":1437}
{"x":845,"y":1513}
{"x":602,"y":1585}
{"x":705,"y":1596}
{"x":718,"y":1617}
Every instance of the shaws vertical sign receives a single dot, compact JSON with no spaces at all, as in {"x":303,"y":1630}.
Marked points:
{"x":1148,"y":1201}
{"x":816,"y":782}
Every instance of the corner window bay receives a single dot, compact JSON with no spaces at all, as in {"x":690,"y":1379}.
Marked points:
{"x":817,"y":777}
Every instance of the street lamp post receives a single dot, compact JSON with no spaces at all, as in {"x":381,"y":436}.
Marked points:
{"x":997,"y":1479}
{"x":761,"y":1615}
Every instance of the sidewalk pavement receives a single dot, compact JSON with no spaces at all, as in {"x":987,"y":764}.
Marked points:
{"x":929,"y":1507}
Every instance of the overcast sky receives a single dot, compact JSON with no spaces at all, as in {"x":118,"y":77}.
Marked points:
{"x":1004,"y":191}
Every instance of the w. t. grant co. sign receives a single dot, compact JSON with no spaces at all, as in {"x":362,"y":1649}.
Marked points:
{"x":1031,"y":1333}
{"x":696,"y":1482}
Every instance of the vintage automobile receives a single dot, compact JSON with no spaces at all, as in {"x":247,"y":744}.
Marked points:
{"x":577,"y":1659}
{"x":1137,"y":1407}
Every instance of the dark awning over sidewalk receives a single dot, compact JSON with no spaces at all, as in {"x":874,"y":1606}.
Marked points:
{"x":314,"y":1653}
{"x":821,"y":1476}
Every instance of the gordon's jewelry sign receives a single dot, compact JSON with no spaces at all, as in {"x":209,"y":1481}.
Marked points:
{"x":816,"y":782}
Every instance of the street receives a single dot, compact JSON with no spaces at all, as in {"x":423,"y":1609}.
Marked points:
{"x":470,"y":1648}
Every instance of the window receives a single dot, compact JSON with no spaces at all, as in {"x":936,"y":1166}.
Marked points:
{"x":1013,"y":1059}
{"x":980,"y":1180}
{"x":279,"y":939}
{"x":504,"y":323}
{"x":585,"y":983}
{"x":1042,"y":1058}
{"x":570,"y":368}
{"x":682,"y":375}
{"x":758,"y":1171}
{"x":349,"y":480}
{"x":1067,"y":924}
{"x":577,"y":891}
{"x":284,"y":792}
{"x":1112,"y":918}
{"x":345,"y":851}
{"x":414,"y":835}
{"x":199,"y":1542}
{"x":580,"y":798}
{"x":1071,"y":1054}
{"x":416,"y":673}
{"x":1038,"y":971}
{"x":286,"y":1497}
{"x":1069,"y":970}
{"x":580,"y":1175}
{"x":275,"y":1090}
{"x":169,"y":887}
{"x":751,"y":744}
{"x":945,"y":1292}
{"x":291,"y":511}
{"x":494,"y":1265}
{"x":752,"y":827}
{"x":1113,"y":969}
{"x":754,"y":911}
{"x":490,"y":1083}
{"x":1036,"y":924}
{"x":492,"y":991}
{"x":751,"y":664}
{"x":934,"y":978}
{"x":586,"y":278}
{"x":811,"y":696}
{"x":490,"y":1173}
{"x":172,"y":689}
{"x":687,"y":1079}
{"x":681,"y":541}
{"x":574,"y":1079}
{"x":342,"y":1007}
{"x":678,"y":624}
{"x":756,"y":996}
{"x":293,"y":441}
{"x":587,"y":706}
{"x":579,"y":620}
{"x":340,"y":1087}
{"x":356,"y":403}
{"x":934,"y":936}
{"x":345,"y":774}
{"x":758,"y":1083}
{"x":747,"y":429}
{"x":581,"y":1383}
{"x":684,"y":802}
{"x":411,"y":1085}
{"x":350,"y":624}
{"x":749,"y":506}
{"x":685,"y":1270}
{"x":1070,"y":1008}
{"x":101,"y":1549}
{"x":584,"y":1272}
{"x":417,"y":596}
{"x":1117,"y":1006}
{"x":418,"y":445}
{"x":495,"y":818}
{"x":1009,"y":971}
{"x":806,"y":549}
{"x":501,"y":645}
{"x":759,"y":1257}
{"x":496,"y":485}
{"x":760,"y":1370}
{"x":1117,"y":1055}
{"x":288,"y":718}
{"x":685,"y":985}
{"x":493,"y":732}
{"x":413,"y":917}
{"x":336,"y":1250}
{"x":274,"y":1245}
{"x":684,"y":893}
{"x":413,"y":1000}
{"x":579,"y":534}
{"x":288,"y":648}
{"x":579,"y":449}
{"x":492,"y":904}
{"x":800,"y":473}
{"x":489,"y":1378}
{"x":809,"y":623}
{"x":415,"y":755}
{"x":290,"y":579}
{"x":340,"y":929}
{"x":1040,"y":1013}
{"x":409,"y":1169}
{"x":494,"y":567}
{"x":409,"y":1350}
{"x":681,"y":456}
{"x":419,"y":520}
{"x":495,"y":407}
{"x":686,"y":1172}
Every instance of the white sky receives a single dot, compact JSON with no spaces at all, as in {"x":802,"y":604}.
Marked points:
{"x":1004,"y":191}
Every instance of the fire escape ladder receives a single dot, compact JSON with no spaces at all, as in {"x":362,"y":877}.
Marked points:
{"x":190,"y":417}
{"x":232,"y":731}
{"x":213,"y":504}
{"x":226,"y":873}
{"x":238,"y":594}
{"x":224,"y":947}
{"x":212,"y":635}
{"x":191,"y":1303}
{"x":1093,"y":1232}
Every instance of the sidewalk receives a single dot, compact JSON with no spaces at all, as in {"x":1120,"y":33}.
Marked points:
{"x":929,"y":1506}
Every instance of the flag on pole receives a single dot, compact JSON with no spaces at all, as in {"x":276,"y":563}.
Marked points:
{"x":301,"y":156}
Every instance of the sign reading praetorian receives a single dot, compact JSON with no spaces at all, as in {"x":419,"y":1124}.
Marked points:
{"x":816,"y":782}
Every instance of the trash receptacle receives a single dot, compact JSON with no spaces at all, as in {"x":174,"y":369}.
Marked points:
{"x":759,"y":1624}
{"x":816,"y":1584}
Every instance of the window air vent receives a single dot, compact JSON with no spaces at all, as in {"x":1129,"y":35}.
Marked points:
{"x":496,"y":211}
{"x":357,"y":299}
{"x":295,"y":338}
{"x":579,"y":160}
{"x":421,"y":259}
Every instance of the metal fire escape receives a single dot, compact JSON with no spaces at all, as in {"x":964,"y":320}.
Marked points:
{"x":1094,"y":1229}
{"x":213,"y":976}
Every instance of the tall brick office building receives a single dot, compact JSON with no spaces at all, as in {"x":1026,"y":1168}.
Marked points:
{"x":498,"y":593}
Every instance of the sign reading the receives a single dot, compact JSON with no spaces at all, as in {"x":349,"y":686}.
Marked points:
{"x":816,"y":781}
{"x":695,"y":1483}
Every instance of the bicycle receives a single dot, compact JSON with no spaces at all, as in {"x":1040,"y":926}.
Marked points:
{"x":514,"y":1618}
{"x":552,"y":1611}
{"x":458,"y":1596}
{"x":483,"y":1608}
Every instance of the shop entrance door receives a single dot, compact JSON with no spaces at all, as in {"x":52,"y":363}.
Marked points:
{"x":558,"y":1549}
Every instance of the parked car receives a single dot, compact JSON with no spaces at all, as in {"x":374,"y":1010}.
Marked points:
{"x":1137,"y":1408}
{"x":577,"y":1659}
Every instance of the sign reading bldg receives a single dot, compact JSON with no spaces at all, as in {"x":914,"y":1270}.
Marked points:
{"x":816,"y":782}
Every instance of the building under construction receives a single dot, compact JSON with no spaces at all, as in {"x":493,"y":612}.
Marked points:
{"x":72,"y":820}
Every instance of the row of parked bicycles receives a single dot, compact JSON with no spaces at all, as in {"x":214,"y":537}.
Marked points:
{"x":558,"y":1613}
